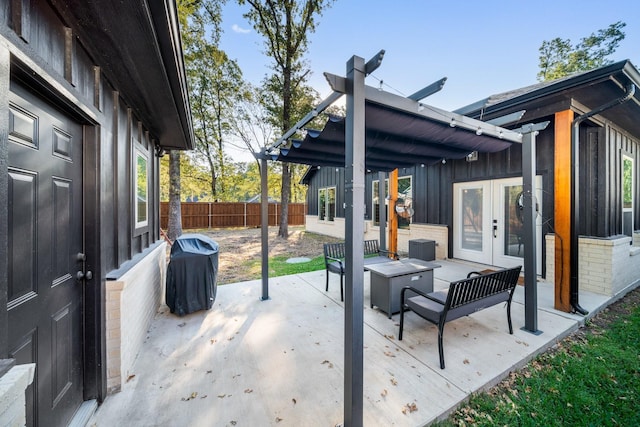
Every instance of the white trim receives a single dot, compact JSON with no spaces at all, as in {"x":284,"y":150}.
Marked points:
{"x":628,"y":210}
{"x":139,"y":154}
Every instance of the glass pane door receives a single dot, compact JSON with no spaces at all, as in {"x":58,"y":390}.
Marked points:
{"x":471,"y":229}
{"x":508,"y":222}
{"x":472,"y":221}
{"x":513,"y":221}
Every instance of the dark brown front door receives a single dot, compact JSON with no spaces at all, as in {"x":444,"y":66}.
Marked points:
{"x":45,"y":246}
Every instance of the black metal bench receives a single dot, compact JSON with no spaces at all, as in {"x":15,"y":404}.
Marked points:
{"x":334,"y":255}
{"x":476,"y":292}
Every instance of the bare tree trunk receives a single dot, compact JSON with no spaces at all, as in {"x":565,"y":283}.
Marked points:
{"x":283,"y":230}
{"x":175,"y":213}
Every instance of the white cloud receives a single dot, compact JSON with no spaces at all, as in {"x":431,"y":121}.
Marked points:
{"x":238,"y":29}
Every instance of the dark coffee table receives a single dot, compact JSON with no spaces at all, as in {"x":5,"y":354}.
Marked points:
{"x":388,"y":279}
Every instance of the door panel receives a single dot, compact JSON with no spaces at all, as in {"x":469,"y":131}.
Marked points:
{"x":45,"y":236}
{"x":472,"y":216}
{"x":495,"y":205}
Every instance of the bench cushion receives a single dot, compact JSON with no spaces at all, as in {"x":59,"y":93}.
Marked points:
{"x":431,"y":310}
{"x":334,"y":267}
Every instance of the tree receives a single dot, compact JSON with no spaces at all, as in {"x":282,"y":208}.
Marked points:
{"x":195,"y":179}
{"x":174,"y":228}
{"x":285,"y":25}
{"x":251,"y":123}
{"x":215,"y":85}
{"x":558,"y":58}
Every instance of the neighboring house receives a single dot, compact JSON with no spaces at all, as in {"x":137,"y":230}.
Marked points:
{"x":91,"y":93}
{"x":471,"y":207}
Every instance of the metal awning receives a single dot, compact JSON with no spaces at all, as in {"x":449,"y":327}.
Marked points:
{"x":399,"y":132}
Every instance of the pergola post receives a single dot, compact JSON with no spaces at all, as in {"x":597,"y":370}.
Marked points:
{"x":529,"y":235}
{"x":529,"y":133}
{"x":264,"y":219}
{"x":354,"y":244}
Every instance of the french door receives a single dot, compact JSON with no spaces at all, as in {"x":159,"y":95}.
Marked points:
{"x":488,"y":222}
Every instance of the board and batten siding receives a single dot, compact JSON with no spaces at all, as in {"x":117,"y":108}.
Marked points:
{"x":42,"y":51}
{"x":601,"y":153}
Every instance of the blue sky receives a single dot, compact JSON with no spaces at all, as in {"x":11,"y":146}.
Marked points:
{"x":482,"y":47}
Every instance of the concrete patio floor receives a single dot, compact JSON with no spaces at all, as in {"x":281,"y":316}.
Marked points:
{"x":280,"y":362}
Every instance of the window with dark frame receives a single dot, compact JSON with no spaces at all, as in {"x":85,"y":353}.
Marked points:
{"x":141,"y":213}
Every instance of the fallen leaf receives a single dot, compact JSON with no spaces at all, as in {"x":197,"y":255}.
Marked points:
{"x":130,"y":377}
{"x":230,"y":338}
{"x":248,"y":390}
{"x":208,"y":372}
{"x":213,"y":341}
{"x":233,"y":423}
{"x":222,"y":396}
{"x":384,"y":393}
{"x":465,"y":361}
{"x":203,"y":397}
{"x":409,"y":408}
{"x":278,"y":419}
{"x":180,"y":325}
{"x":193,"y":396}
{"x":294,"y":401}
{"x":388,"y":353}
{"x":393,"y":381}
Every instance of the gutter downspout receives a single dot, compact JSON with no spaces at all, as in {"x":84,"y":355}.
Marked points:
{"x":575,"y":191}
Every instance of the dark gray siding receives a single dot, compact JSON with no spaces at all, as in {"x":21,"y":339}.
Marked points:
{"x":326,"y":177}
{"x":433,"y":185}
{"x":600,"y":180}
{"x":43,"y":52}
{"x":601,"y":157}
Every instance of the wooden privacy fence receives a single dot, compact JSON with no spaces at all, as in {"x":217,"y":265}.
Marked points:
{"x":221,"y":214}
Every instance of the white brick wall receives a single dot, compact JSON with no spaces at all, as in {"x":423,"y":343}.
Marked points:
{"x":550,"y":261}
{"x":132,"y":302}
{"x":607,"y":266}
{"x":439,"y":233}
{"x":328,"y":228}
{"x":12,"y":397}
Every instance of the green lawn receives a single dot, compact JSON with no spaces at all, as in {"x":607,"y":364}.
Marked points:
{"x":278,"y":266}
{"x":591,"y":379}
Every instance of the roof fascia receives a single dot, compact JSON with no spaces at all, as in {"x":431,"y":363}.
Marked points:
{"x":587,"y":78}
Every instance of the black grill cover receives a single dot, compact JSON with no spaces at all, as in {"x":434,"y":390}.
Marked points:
{"x":191,"y":275}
